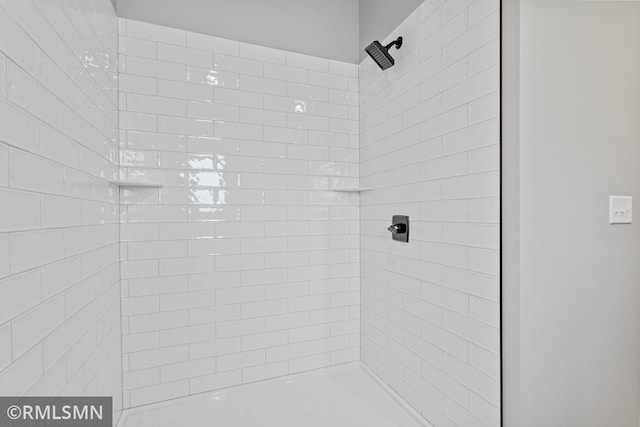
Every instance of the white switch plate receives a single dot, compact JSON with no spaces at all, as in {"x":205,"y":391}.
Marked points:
{"x":620,"y":209}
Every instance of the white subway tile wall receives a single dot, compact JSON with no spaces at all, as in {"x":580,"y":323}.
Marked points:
{"x":429,"y":146}
{"x":59,"y":276}
{"x":245,"y":264}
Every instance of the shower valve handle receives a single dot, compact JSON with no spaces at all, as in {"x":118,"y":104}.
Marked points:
{"x":397,"y":228}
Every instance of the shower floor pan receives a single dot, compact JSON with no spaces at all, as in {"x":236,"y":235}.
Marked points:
{"x":343,"y":396}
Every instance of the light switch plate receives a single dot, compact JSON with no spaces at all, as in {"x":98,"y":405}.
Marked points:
{"x":620,"y":209}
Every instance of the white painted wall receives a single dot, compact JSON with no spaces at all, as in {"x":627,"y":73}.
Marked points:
{"x":59,"y":272}
{"x":579,"y":280}
{"x":245,"y":265}
{"x":327,"y":28}
{"x":430,"y":149}
{"x":336,"y":29}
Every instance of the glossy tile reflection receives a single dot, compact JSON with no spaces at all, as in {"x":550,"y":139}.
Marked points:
{"x":212,"y":179}
{"x":245,"y":260}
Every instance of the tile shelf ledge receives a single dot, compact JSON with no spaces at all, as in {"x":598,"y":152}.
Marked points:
{"x":130,"y":184}
{"x":352,"y":190}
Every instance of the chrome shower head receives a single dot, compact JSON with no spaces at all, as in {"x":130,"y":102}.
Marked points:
{"x":380,"y":54}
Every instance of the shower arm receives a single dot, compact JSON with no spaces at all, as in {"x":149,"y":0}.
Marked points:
{"x":397,"y":43}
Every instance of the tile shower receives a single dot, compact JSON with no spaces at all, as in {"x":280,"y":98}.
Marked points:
{"x":239,"y":260}
{"x":429,"y":146}
{"x":244,"y":265}
{"x":60,"y":327}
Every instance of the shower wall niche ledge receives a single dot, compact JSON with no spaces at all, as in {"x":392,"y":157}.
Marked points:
{"x":352,"y":190}
{"x":133,"y":184}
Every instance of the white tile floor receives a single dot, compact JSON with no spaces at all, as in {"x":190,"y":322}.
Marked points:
{"x":343,"y":396}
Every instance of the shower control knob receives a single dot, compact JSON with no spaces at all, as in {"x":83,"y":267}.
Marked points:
{"x":397,"y":228}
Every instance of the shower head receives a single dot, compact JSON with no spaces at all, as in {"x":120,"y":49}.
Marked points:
{"x":380,"y":54}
